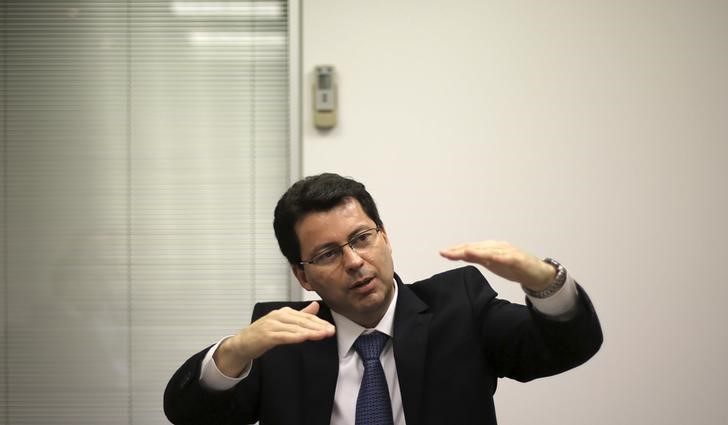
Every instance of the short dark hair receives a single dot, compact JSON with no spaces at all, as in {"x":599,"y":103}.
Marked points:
{"x":315,"y":194}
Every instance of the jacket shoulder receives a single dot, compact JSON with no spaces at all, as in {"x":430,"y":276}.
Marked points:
{"x":466,"y":280}
{"x":262,"y":308}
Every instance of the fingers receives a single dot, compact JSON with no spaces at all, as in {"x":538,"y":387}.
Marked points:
{"x":312,"y":308}
{"x":279,"y":327}
{"x":289,"y":326}
{"x":301,"y":321}
{"x":321,"y":328}
{"x":500,"y":258}
{"x":479,"y":252}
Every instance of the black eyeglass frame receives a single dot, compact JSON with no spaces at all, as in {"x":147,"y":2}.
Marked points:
{"x":351,"y":240}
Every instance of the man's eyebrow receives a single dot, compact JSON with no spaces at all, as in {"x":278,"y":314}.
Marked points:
{"x":324,"y":247}
{"x":328,"y":245}
{"x":358,"y":230}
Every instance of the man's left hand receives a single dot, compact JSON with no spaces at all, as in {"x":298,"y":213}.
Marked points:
{"x":506,"y":261}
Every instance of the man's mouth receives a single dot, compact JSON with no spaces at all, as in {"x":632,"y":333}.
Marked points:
{"x":361,"y":283}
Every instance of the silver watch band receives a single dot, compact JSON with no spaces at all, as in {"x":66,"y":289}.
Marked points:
{"x":555,"y":285}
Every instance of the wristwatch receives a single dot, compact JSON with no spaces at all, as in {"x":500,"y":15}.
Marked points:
{"x":555,"y":285}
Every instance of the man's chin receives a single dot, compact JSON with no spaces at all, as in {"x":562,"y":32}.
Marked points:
{"x":373,"y":302}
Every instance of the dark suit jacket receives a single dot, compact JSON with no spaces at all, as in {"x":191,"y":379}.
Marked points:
{"x":452,"y":340}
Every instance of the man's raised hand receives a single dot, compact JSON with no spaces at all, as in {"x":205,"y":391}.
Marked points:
{"x":506,"y":261}
{"x":279,"y":327}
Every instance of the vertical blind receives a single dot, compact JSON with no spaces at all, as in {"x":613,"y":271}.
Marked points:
{"x":144,"y":145}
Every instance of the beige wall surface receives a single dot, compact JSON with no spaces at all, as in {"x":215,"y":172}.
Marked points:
{"x":594,"y":132}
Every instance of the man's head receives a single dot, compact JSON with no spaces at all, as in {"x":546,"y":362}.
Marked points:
{"x":329,"y":229}
{"x":315,"y":194}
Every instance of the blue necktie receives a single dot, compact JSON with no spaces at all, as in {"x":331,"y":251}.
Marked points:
{"x":372,"y":405}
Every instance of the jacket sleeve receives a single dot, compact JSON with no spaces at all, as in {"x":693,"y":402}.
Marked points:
{"x":187,"y":402}
{"x":523,"y":344}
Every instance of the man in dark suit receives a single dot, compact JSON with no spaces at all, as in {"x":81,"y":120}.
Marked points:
{"x":446,"y":340}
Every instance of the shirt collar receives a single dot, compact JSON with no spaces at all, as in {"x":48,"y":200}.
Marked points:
{"x":348,"y":331}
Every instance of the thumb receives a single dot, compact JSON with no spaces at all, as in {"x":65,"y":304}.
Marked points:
{"x":312,"y":308}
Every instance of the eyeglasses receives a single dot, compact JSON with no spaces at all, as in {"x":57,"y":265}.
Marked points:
{"x":359,"y":243}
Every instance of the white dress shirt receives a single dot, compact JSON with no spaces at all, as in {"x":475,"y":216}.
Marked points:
{"x":351,"y":367}
{"x":560,"y":306}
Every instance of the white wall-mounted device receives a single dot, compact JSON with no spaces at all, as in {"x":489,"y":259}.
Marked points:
{"x":324,"y":97}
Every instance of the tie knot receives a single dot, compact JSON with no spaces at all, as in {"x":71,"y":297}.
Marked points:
{"x":370,"y":346}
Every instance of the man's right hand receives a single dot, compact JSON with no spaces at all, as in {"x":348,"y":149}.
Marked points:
{"x":279,"y":327}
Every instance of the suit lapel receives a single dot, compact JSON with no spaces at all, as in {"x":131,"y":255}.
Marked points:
{"x":411,"y":324}
{"x":321,"y":361}
{"x":320,"y":372}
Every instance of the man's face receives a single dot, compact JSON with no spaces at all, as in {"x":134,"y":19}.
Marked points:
{"x":359,"y":286}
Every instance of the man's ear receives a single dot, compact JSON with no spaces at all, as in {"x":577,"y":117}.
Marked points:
{"x":301,"y":276}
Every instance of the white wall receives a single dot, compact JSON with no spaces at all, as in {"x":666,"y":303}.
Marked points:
{"x":591,"y":131}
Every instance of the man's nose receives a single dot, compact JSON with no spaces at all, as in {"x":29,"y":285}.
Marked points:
{"x":352,"y":259}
